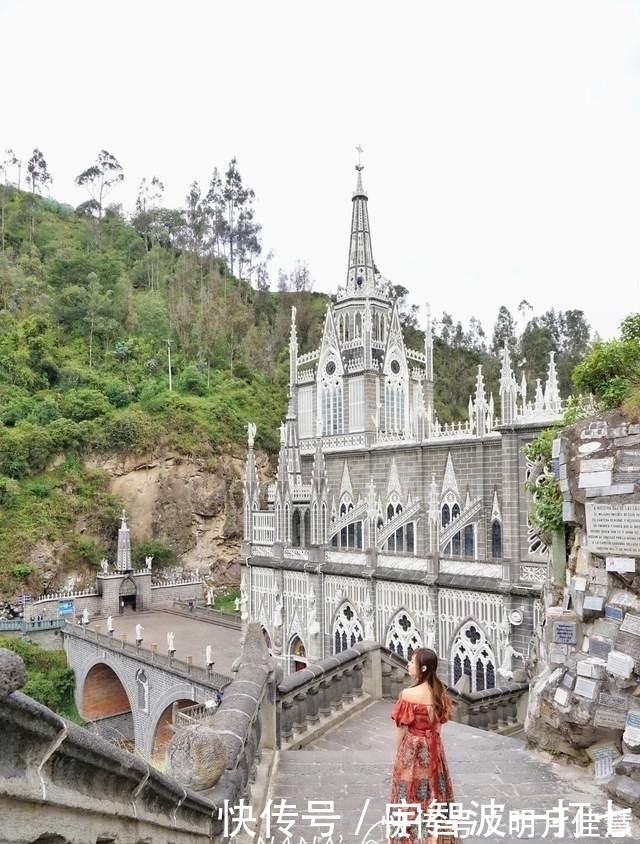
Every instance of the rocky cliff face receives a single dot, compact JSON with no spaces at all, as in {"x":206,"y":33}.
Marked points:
{"x":585,"y":698}
{"x":195,"y":511}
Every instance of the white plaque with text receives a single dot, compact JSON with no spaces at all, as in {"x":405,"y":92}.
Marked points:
{"x":620,"y":564}
{"x":613,"y":528}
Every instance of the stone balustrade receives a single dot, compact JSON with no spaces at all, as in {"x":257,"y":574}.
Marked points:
{"x":320,"y":695}
{"x":149,"y":656}
{"x":500,"y":710}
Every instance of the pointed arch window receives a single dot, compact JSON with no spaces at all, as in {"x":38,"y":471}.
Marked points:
{"x":445,"y":515}
{"x":469,"y":541}
{"x":403,"y":637}
{"x":496,"y":539}
{"x":296,"y":533}
{"x":331,"y":403}
{"x":473,"y":656}
{"x":347,"y":629}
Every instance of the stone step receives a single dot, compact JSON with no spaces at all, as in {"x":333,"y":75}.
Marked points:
{"x":351,"y":766}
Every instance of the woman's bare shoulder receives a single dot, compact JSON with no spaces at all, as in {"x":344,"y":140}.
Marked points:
{"x":417,"y":694}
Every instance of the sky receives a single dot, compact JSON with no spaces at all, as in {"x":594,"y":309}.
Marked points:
{"x":501,"y":138}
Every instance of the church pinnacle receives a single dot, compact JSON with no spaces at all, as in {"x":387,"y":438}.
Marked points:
{"x":361,"y":271}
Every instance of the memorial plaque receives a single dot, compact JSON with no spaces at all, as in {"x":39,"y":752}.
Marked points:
{"x":598,"y":464}
{"x":598,"y":751}
{"x":611,"y":719}
{"x":603,"y":768}
{"x":589,"y":448}
{"x":621,"y":564}
{"x":568,"y":680}
{"x":613,"y":528}
{"x":585,"y":688}
{"x":612,"y":701}
{"x":604,"y":629}
{"x":620,"y":664}
{"x":631,"y":735}
{"x":558,"y":654}
{"x":594,"y":603}
{"x":633,"y":718}
{"x":631,"y":624}
{"x":562,"y":696}
{"x":599,"y":648}
{"x":565,"y":632}
{"x":580,"y":584}
{"x":629,"y":643}
{"x":614,"y":613}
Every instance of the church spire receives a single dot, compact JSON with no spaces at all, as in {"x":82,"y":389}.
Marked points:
{"x":361,"y":271}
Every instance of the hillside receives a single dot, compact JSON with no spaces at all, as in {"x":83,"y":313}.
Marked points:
{"x":128,"y":347}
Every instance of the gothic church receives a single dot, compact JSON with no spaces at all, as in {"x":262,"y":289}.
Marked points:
{"x":383,"y":523}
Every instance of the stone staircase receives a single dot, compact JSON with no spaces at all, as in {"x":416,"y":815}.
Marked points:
{"x":350,"y":766}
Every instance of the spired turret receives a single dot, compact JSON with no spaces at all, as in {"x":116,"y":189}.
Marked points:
{"x":123,"y":559}
{"x":361,"y":272}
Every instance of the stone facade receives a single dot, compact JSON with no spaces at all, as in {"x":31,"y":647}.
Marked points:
{"x":382,"y":523}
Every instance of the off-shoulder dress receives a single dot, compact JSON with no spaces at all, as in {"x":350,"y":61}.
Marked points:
{"x":420,"y":770}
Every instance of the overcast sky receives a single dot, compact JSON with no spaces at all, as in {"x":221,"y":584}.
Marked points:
{"x":501,"y":139}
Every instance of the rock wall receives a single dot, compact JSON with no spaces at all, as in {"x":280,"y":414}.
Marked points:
{"x":197,"y":511}
{"x":585,"y":696}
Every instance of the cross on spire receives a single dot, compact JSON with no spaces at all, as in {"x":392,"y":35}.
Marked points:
{"x":359,"y":165}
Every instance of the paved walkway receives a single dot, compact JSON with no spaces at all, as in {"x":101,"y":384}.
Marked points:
{"x":192,"y":635}
{"x":351,"y":766}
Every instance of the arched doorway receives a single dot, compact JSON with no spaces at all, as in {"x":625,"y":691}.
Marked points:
{"x":128,"y":595}
{"x":298,"y":653}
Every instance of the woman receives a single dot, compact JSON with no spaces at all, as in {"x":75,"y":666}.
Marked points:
{"x":420,"y":770}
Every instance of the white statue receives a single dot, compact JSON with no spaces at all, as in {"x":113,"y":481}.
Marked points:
{"x":368,"y":619}
{"x":236,"y":604}
{"x":209,"y":655}
{"x":109,"y":624}
{"x":312,"y":621}
{"x":244,"y":600}
{"x":139,"y":632}
{"x":431,"y":631}
{"x":148,"y":560}
{"x":104,"y":565}
{"x":277,"y":611}
{"x":85,"y":616}
{"x":170,"y":642}
{"x":506,"y":666}
{"x":508,"y":651}
{"x":209,"y":598}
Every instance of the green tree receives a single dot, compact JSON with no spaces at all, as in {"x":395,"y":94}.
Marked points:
{"x":504,"y":332}
{"x":98,"y":180}
{"x":37,"y":172}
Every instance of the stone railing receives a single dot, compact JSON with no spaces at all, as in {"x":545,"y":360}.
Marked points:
{"x":30,"y":625}
{"x":312,"y":700}
{"x":499,"y":710}
{"x":201,"y":610}
{"x":55,"y":775}
{"x":150,"y":656}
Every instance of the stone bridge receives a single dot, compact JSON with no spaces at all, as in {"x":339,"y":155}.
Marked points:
{"x":128,"y":693}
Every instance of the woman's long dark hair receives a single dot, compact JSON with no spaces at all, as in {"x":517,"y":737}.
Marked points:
{"x":427,"y":664}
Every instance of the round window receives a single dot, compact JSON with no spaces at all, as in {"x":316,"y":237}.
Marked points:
{"x":395,"y":367}
{"x":330,"y":368}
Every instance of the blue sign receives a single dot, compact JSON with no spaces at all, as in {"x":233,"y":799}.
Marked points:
{"x":65,"y":607}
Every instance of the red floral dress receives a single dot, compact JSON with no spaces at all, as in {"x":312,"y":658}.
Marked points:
{"x":420,"y":770}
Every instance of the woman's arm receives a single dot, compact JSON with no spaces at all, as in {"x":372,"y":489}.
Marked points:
{"x":400,"y":734}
